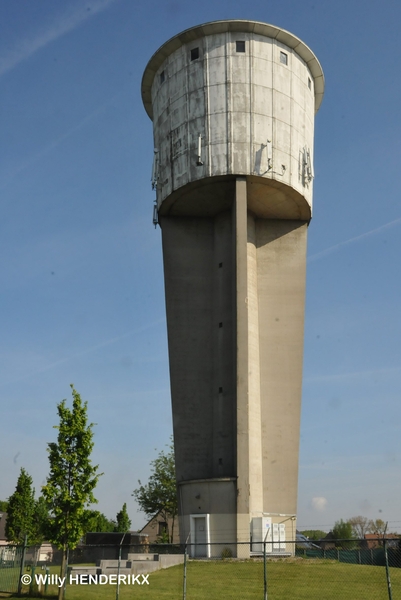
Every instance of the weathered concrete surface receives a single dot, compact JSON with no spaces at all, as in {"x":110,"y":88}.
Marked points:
{"x":253,"y":111}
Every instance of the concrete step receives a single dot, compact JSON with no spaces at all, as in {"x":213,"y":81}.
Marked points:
{"x":136,"y":556}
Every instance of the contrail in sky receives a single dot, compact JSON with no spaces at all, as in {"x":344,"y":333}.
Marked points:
{"x":90,"y":349}
{"x":52,"y":145}
{"x":353,"y":240}
{"x":65,"y":23}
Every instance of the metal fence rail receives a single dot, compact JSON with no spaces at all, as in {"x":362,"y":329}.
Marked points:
{"x":338,"y":569}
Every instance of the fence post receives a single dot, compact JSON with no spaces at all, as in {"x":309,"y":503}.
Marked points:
{"x":33,"y":569}
{"x":265,"y":568}
{"x":390,"y":595}
{"x":184,"y":586}
{"x":21,"y":570}
{"x":118,"y":567}
{"x":47,"y":571}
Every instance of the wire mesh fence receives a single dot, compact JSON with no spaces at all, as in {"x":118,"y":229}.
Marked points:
{"x":330,"y":569}
{"x":11,"y":561}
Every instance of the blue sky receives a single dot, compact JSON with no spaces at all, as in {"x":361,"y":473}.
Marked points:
{"x":82,"y":298}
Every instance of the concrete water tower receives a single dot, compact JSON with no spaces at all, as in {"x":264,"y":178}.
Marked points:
{"x":233,"y":105}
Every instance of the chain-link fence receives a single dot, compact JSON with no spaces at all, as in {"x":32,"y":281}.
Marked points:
{"x":11,"y":567}
{"x":329,"y":569}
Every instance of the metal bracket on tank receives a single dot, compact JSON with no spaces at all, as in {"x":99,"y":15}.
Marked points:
{"x":269,"y":156}
{"x":283,"y":170}
{"x":155,"y":215}
{"x":155,"y":168}
{"x":260,"y":155}
{"x":199,"y":161}
{"x":270,"y":161}
{"x":307,"y":167}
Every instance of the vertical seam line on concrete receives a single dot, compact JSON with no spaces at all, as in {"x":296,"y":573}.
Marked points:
{"x":229,"y":85}
{"x":291,"y":119}
{"x":273,"y":129}
{"x":167,"y":85}
{"x":207,"y":144}
{"x":188,"y":160}
{"x":250,"y":44}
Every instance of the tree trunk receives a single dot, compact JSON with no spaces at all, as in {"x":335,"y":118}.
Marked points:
{"x":63,"y":572}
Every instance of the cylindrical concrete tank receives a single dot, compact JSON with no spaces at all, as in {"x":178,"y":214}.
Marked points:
{"x":233,"y":105}
{"x":234,"y":98}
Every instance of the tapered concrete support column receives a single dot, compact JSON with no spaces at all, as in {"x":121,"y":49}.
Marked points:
{"x":240,"y":236}
{"x":249,"y":443}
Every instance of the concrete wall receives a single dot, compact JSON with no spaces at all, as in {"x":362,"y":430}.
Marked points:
{"x":198,"y":268}
{"x":235,"y":290}
{"x":214,"y":497}
{"x":281,"y":254}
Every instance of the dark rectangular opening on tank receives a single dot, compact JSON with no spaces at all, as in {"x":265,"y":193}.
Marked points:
{"x":162,"y":76}
{"x":284,"y":58}
{"x":240,"y":46}
{"x":194,"y":53}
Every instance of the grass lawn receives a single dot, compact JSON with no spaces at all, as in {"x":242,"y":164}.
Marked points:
{"x":9,"y":578}
{"x":287,"y":580}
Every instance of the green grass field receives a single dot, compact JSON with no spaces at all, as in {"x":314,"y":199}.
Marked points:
{"x":287,"y":580}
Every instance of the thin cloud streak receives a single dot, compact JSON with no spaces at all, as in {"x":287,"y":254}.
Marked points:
{"x":52,"y":145}
{"x":353,"y":375}
{"x":358,"y":238}
{"x":90,"y":350}
{"x":64,"y":24}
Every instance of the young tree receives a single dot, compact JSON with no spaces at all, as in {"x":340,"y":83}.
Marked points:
{"x":41,"y":525}
{"x":159,"y":495}
{"x":314,"y":534}
{"x":342,"y":530}
{"x":21,"y":510}
{"x":377,"y":526}
{"x":360,"y":525}
{"x":72,"y":479}
{"x":96,"y":521}
{"x":123,"y":520}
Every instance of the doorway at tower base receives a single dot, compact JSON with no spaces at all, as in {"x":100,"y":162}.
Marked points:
{"x":207,"y":516}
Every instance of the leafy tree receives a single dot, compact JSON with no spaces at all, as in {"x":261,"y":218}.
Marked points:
{"x":377,"y":526}
{"x":342,"y":530}
{"x":163,"y":537}
{"x":41,"y":524}
{"x":314,"y":534}
{"x":21,"y":510}
{"x":360,"y":525}
{"x":159,"y":495}
{"x":95,"y":521}
{"x":123,"y":520}
{"x":3,"y":505}
{"x":72,"y":478}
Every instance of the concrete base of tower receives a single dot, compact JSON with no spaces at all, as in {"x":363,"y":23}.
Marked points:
{"x":211,"y":527}
{"x":207,"y":516}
